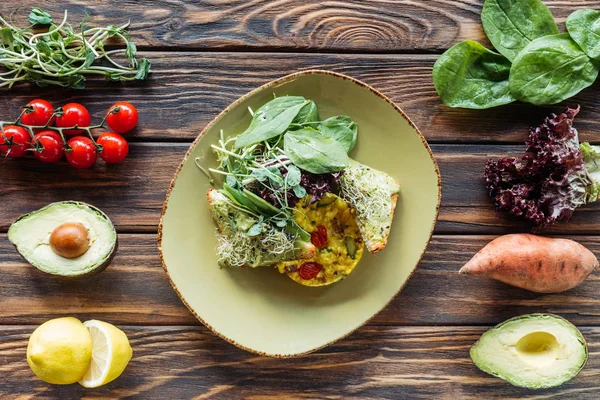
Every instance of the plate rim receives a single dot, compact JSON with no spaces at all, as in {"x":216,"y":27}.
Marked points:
{"x":221,"y":115}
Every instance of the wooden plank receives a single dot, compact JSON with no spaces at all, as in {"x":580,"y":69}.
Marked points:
{"x":355,"y":26}
{"x":376,"y":362}
{"x":188,"y":90}
{"x":132,"y":193}
{"x":135,"y":290}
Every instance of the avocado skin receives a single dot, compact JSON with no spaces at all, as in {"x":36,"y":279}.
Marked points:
{"x":524,"y":317}
{"x":100,"y":267}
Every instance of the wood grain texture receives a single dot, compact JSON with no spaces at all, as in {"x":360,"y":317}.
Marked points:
{"x":132,"y":193}
{"x":376,"y":362}
{"x":187,"y":90}
{"x":135,"y":290}
{"x":293,"y":25}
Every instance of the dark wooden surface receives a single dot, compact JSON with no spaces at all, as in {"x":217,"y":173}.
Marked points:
{"x":205,"y":55}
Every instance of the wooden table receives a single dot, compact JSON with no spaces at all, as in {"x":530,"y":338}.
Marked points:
{"x":206,"y":54}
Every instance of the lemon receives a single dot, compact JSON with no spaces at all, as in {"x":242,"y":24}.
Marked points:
{"x":60,"y":351}
{"x":111,"y":353}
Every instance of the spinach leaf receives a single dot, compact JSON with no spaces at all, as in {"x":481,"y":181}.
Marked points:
{"x":313,"y":152}
{"x":39,"y":17}
{"x":271,"y":120}
{"x":511,"y":25}
{"x":308,"y":113}
{"x":470,"y":76}
{"x":551,"y":69}
{"x":342,"y":129}
{"x":584,"y":28}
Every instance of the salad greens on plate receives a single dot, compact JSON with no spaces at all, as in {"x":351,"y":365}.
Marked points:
{"x":291,"y":196}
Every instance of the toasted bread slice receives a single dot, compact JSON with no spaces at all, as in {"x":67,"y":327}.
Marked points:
{"x":374,"y":195}
{"x":236,"y":248}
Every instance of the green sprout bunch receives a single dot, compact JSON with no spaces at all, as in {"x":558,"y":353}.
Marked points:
{"x":50,"y":54}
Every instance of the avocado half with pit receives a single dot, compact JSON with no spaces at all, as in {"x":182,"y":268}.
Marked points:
{"x":533,"y":351}
{"x":68,"y":238}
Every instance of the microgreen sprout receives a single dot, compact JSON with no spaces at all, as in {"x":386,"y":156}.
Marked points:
{"x":62,"y":56}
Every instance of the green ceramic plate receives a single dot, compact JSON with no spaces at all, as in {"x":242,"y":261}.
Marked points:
{"x":260,"y":310}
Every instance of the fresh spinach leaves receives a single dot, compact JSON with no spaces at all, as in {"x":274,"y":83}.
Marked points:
{"x":342,"y":129}
{"x":551,"y":69}
{"x":511,"y":25}
{"x":309,"y":113}
{"x":271,"y":120}
{"x":584,"y":28}
{"x":536,"y":63}
{"x":314,"y":152}
{"x":471,"y":76}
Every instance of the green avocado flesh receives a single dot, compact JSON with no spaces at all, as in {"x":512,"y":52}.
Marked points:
{"x":31,"y":236}
{"x":532,"y":351}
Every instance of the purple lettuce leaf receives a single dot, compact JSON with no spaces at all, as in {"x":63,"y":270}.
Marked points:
{"x":549,"y":181}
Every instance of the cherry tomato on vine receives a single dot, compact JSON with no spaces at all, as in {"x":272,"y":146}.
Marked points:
{"x":14,"y":142}
{"x":73,"y":114}
{"x":123,"y":120}
{"x":83,"y":152}
{"x":41,"y":114}
{"x":114,"y":147}
{"x":49,"y":146}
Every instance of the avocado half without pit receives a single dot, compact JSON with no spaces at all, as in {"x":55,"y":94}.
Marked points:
{"x":533,"y":351}
{"x":68,"y":238}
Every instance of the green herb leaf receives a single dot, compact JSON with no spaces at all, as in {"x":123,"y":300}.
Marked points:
{"x":89,"y":59}
{"x":240,"y":198}
{"x":308,"y":113}
{"x":7,"y":37}
{"x":271,"y":120}
{"x":275,"y":176}
{"x":131,"y":50}
{"x":261,"y":174}
{"x":143,"y":69}
{"x":231,"y":181}
{"x":293,"y":177}
{"x":470,"y":76}
{"x":43,"y":48}
{"x":342,"y":129}
{"x":584,"y":28}
{"x":76,"y":81}
{"x":255,"y":230}
{"x":261,"y":205}
{"x":511,"y":25}
{"x":313,"y":152}
{"x":39,"y":17}
{"x":551,"y":69}
{"x":299,"y":191}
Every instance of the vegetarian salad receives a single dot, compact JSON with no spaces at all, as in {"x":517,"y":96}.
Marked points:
{"x":291,"y":197}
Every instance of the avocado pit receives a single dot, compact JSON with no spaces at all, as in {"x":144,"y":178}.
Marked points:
{"x":70,"y":240}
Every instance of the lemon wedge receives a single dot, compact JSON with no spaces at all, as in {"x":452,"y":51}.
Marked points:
{"x":111,"y":353}
{"x":60,"y":350}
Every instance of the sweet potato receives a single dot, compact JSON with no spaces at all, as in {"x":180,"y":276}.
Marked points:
{"x":535,"y":263}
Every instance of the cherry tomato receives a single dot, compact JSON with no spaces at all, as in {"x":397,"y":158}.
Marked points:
{"x":73,"y":114}
{"x":123,"y":120}
{"x":83,"y":152}
{"x":41,"y":114}
{"x":14,"y":142}
{"x":114,"y":147}
{"x":319,"y":237}
{"x":309,"y":270}
{"x":50,"y":146}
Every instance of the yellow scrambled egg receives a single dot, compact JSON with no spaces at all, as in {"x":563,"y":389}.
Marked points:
{"x":336,"y":258}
